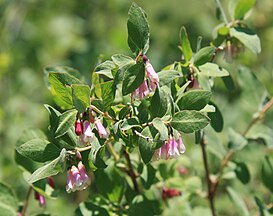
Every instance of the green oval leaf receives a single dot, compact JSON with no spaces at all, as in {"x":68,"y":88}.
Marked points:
{"x":81,"y":97}
{"x":38,"y":150}
{"x":194,"y":100}
{"x":188,"y":121}
{"x":242,"y":172}
{"x":159,"y":103}
{"x":242,"y":7}
{"x":167,"y":76}
{"x":212,"y":70}
{"x":216,"y":119}
{"x":66,"y":121}
{"x":138,"y":30}
{"x":185,"y":44}
{"x":204,"y":55}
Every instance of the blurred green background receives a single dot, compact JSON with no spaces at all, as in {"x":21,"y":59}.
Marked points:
{"x":36,"y":33}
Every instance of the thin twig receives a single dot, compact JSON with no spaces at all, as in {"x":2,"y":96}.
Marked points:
{"x":83,"y":149}
{"x":23,"y":212}
{"x":209,"y":183}
{"x":131,"y":171}
{"x":222,"y":11}
{"x":231,"y":151}
{"x":112,"y":151}
{"x":102,"y":113}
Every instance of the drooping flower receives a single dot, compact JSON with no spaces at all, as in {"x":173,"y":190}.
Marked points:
{"x":172,"y":148}
{"x":77,"y":178}
{"x":142,"y":91}
{"x":152,"y":75}
{"x":78,"y":127}
{"x":103,"y":133}
{"x":87,"y":135}
{"x":40,"y":198}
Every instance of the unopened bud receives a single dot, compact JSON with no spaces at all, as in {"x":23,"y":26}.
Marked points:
{"x":78,"y":127}
{"x":51,"y":182}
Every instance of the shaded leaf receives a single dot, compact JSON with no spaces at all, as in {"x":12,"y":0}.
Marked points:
{"x":242,"y":7}
{"x":236,"y":140}
{"x":162,"y":129}
{"x":216,"y":119}
{"x":167,"y":76}
{"x":159,"y":103}
{"x":204,"y":55}
{"x":267,"y":173}
{"x":212,"y":70}
{"x":242,"y":172}
{"x":81,"y":97}
{"x":238,"y":201}
{"x":146,"y":147}
{"x":8,"y":201}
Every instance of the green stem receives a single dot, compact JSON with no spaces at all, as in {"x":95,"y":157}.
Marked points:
{"x":23,"y":212}
{"x":222,"y":11}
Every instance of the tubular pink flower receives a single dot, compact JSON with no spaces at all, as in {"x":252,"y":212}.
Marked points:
{"x":77,"y":178}
{"x":171,"y":149}
{"x":87,"y":135}
{"x":85,"y":178}
{"x":142,"y":91}
{"x":180,"y":145}
{"x":103,"y":133}
{"x":70,"y":182}
{"x":152,"y":75}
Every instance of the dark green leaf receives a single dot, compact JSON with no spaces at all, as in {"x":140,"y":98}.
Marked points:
{"x":238,"y":201}
{"x":188,"y":121}
{"x":262,"y":209}
{"x":167,"y":76}
{"x":242,"y":7}
{"x":159,"y":103}
{"x":81,"y":97}
{"x":146,"y":146}
{"x":38,"y":150}
{"x":242,"y":172}
{"x":236,"y":140}
{"x":108,"y":94}
{"x":91,"y":209}
{"x":204,"y":55}
{"x":248,"y":38}
{"x":110,"y":183}
{"x":267,"y":173}
{"x":213,"y":70}
{"x":50,"y":169}
{"x":260,"y":131}
{"x":133,"y":78}
{"x":185,"y":44}
{"x":147,"y":175}
{"x":161,"y":127}
{"x":8,"y":201}
{"x":229,"y":83}
{"x":138,"y":30}
{"x":216,"y":118}
{"x":194,"y":100}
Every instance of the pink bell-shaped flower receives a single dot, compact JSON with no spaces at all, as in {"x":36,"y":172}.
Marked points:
{"x":142,"y":91}
{"x":87,"y":135}
{"x":103,"y":133}
{"x":152,"y":75}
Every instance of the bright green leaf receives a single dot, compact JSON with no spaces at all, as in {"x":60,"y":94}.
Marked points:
{"x":242,"y":7}
{"x":167,"y":76}
{"x":161,"y":127}
{"x":248,"y":38}
{"x":185,"y":44}
{"x":66,"y":121}
{"x":204,"y":55}
{"x":238,"y":201}
{"x":213,"y":70}
{"x":159,"y":103}
{"x":81,"y":97}
{"x":122,"y":60}
{"x":108,"y":94}
{"x":105,"y":69}
{"x":188,"y":121}
{"x":50,"y":169}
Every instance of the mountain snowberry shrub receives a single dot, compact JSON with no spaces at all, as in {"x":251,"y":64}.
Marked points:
{"x":116,"y":130}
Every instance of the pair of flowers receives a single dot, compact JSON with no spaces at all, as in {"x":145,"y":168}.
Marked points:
{"x":143,"y":90}
{"x":171,"y":148}
{"x":84,"y":131}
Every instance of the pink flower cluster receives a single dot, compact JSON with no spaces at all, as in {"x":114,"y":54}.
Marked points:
{"x":169,"y":193}
{"x":172,"y":148}
{"x":143,"y":90}
{"x":77,"y":178}
{"x":84,"y":130}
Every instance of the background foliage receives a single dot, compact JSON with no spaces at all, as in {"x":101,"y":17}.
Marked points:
{"x":81,"y":34}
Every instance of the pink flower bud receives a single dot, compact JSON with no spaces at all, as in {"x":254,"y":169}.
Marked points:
{"x":51,"y":182}
{"x":78,"y":127}
{"x":70,"y":182}
{"x":103,"y":133}
{"x":40,"y":198}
